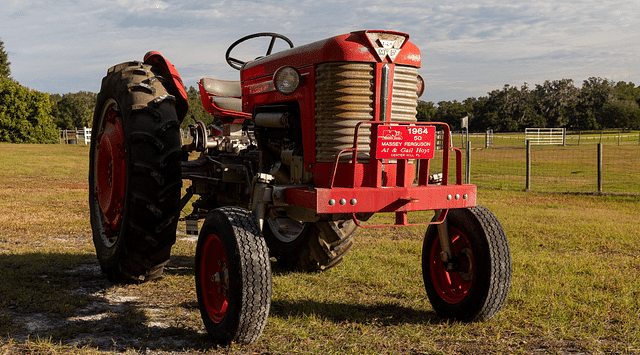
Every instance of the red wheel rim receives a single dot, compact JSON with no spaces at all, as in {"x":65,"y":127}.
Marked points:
{"x":214,"y":278}
{"x":111,"y":174}
{"x":452,"y":286}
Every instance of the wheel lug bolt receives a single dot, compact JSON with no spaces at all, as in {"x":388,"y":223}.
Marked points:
{"x":216,"y":278}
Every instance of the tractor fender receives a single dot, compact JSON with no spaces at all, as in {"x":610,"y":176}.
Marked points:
{"x":175,"y":85}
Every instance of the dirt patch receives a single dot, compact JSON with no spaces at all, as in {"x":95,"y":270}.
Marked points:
{"x":110,"y":317}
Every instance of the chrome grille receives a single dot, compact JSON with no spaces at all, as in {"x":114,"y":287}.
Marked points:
{"x":344,"y":97}
{"x":405,"y":94}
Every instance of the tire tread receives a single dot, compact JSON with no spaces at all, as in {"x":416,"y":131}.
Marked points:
{"x":243,"y":323}
{"x":152,"y":196}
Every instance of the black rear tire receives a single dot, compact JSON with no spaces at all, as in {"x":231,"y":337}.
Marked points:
{"x":134,"y":175}
{"x":477,"y":286}
{"x":233,"y":276}
{"x":300,"y":246}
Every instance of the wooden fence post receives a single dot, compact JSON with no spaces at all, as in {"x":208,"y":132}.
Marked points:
{"x":599,"y":167}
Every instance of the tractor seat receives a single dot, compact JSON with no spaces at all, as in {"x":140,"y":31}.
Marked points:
{"x":225,"y":94}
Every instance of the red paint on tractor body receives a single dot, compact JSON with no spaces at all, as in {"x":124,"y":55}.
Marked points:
{"x":390,"y":181}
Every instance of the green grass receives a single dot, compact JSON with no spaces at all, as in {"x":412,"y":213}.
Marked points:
{"x":558,"y":169}
{"x":572,"y":168}
{"x":575,"y":286}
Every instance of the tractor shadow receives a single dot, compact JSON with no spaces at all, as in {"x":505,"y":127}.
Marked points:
{"x":384,"y":314}
{"x":338,"y":312}
{"x":65,"y":299}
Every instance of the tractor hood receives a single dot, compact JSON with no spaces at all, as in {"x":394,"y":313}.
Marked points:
{"x":360,"y":46}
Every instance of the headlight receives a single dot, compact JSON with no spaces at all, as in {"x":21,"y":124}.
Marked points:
{"x":286,"y":80}
{"x":420,"y":86}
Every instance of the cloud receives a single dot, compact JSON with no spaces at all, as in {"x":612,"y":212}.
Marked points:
{"x":134,"y":6}
{"x":468,"y":48}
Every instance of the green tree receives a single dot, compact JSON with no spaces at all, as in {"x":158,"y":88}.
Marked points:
{"x":25,"y":115}
{"x":626,"y":91}
{"x":618,"y":113}
{"x":450,"y":112}
{"x":73,"y":110}
{"x":196,"y":110}
{"x":426,"y":111}
{"x":595,"y":92}
{"x":507,"y":110}
{"x":556,"y":101}
{"x":5,"y":72}
{"x":600,"y":103}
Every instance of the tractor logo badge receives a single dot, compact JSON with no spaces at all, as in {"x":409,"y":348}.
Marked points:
{"x":386,"y":48}
{"x":386,"y":44}
{"x":391,"y":134}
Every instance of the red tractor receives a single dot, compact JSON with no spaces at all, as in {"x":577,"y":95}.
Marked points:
{"x":312,"y":141}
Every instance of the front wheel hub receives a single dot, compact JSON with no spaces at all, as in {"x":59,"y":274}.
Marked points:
{"x":452,"y":282}
{"x":214,"y":278}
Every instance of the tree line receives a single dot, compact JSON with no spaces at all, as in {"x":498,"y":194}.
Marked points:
{"x":598,"y":104}
{"x":29,"y":116}
{"x":25,"y":114}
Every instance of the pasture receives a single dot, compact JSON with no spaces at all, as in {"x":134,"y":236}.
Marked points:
{"x":575,"y":284}
{"x":569,"y":168}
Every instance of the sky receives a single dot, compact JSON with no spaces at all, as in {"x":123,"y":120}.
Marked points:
{"x":468,"y":48}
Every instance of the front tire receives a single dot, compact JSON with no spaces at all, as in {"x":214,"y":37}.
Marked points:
{"x":476,"y":285}
{"x":233,"y":276}
{"x":134,"y":175}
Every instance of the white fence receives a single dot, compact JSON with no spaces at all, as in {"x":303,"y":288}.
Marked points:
{"x":545,"y":136}
{"x":75,"y":136}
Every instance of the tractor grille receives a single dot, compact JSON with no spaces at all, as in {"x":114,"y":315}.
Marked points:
{"x":405,"y":94}
{"x":344,"y":97}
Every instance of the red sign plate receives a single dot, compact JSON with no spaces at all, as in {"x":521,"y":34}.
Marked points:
{"x":406,"y":142}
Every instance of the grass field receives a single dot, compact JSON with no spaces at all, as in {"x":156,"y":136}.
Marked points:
{"x":570,"y":168}
{"x":575,"y":286}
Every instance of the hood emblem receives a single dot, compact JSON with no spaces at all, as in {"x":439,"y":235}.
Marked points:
{"x":386,"y":44}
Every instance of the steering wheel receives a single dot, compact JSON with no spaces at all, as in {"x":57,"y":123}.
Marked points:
{"x":237,"y":64}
